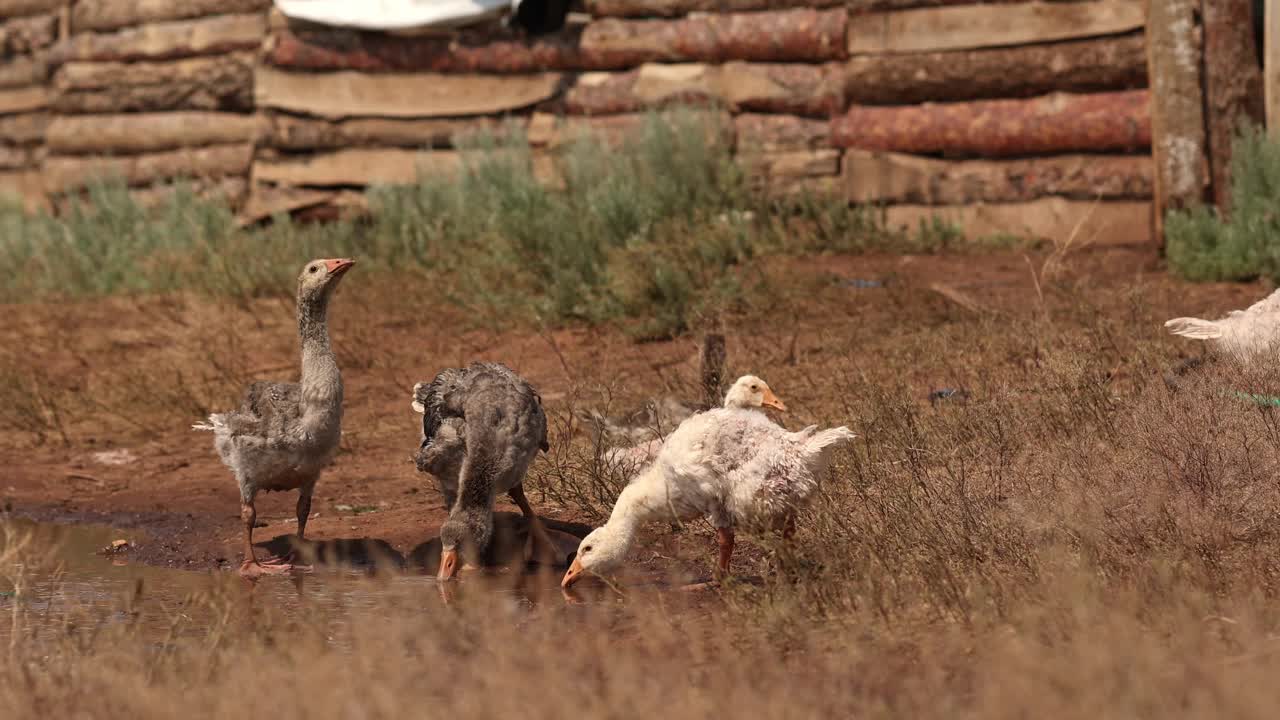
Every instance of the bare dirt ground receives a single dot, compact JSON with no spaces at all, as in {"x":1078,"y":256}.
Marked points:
{"x":103,"y":391}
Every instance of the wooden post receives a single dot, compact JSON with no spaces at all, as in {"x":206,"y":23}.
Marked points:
{"x":1271,"y":65}
{"x":1233,"y":86}
{"x":1177,"y":108}
{"x":713,"y":361}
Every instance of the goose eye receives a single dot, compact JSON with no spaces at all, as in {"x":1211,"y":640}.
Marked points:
{"x":755,"y":387}
{"x":586,"y":549}
{"x":314,"y":268}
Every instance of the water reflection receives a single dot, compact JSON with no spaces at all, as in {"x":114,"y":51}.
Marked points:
{"x":78,"y":577}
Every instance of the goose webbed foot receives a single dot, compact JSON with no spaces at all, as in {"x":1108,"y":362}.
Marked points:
{"x":255,"y":569}
{"x":542,"y":549}
{"x":291,"y":560}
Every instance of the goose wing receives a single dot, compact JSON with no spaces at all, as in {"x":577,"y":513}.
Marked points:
{"x":266,"y":410}
{"x":439,"y":401}
{"x":542,"y":440}
{"x":268,"y":400}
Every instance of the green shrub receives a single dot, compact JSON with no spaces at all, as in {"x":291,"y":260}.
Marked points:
{"x":1201,"y":245}
{"x":649,"y":232}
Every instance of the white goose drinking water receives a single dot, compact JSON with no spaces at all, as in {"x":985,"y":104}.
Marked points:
{"x":732,"y":465}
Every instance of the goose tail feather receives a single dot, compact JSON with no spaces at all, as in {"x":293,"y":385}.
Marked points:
{"x":1194,"y":328}
{"x":822,"y":440}
{"x":213,"y":424}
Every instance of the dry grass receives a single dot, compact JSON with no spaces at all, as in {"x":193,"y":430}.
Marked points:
{"x":1072,"y":538}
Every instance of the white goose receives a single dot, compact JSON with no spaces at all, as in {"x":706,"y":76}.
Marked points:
{"x":747,"y":392}
{"x":1243,"y":334}
{"x":732,"y":465}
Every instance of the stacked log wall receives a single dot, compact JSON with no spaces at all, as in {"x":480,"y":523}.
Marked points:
{"x":28,"y":31}
{"x":920,"y":105}
{"x":153,"y":92}
{"x":1032,"y":106}
{"x":1019,"y":118}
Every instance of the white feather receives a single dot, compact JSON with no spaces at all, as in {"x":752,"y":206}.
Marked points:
{"x":1247,"y":335}
{"x":1194,"y":328}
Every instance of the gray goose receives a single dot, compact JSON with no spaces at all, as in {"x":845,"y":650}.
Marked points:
{"x":482,"y":426}
{"x":284,"y":434}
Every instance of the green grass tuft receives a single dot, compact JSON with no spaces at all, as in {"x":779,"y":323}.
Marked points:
{"x":653,"y":232}
{"x":1202,"y":246}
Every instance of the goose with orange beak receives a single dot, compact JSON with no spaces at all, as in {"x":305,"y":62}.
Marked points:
{"x":732,"y":465}
{"x":482,"y":426}
{"x":285,"y":433}
{"x":748,"y":392}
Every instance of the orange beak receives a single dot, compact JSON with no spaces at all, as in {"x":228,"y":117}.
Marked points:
{"x":573,"y":574}
{"x":771,"y":400}
{"x":448,"y":565}
{"x":337,"y":266}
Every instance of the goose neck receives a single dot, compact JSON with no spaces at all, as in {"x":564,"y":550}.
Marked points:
{"x":321,"y":381}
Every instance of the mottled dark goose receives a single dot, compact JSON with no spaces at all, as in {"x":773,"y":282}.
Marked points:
{"x":482,"y":426}
{"x":284,"y":434}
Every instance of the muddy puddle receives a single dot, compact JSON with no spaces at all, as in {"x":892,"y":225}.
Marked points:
{"x":71,"y":572}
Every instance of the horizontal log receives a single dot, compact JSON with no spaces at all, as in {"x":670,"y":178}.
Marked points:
{"x":874,"y":177}
{"x":289,"y":132}
{"x":24,"y":70}
{"x":231,"y":191}
{"x":366,"y":167}
{"x":1058,"y":123}
{"x":791,"y":164}
{"x":22,"y":8}
{"x":801,"y":35}
{"x":24,"y":187}
{"x":20,"y":158}
{"x":325,"y":49}
{"x":223,"y":82}
{"x":146,"y":132}
{"x":22,"y":35}
{"x":232,"y":69}
{"x":303,"y":204}
{"x":780,"y":133}
{"x":25,"y":99}
{"x":155,"y":98}
{"x":361,"y":167}
{"x":343,"y":205}
{"x":343,"y":94}
{"x":676,"y":8}
{"x":24,"y":129}
{"x":977,"y":26}
{"x":105,"y":15}
{"x":166,"y":41}
{"x":63,"y":173}
{"x":548,"y":131}
{"x":1112,"y":63}
{"x":1055,"y":219}
{"x":813,"y":90}
{"x":265,"y":201}
{"x":782,"y":36}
